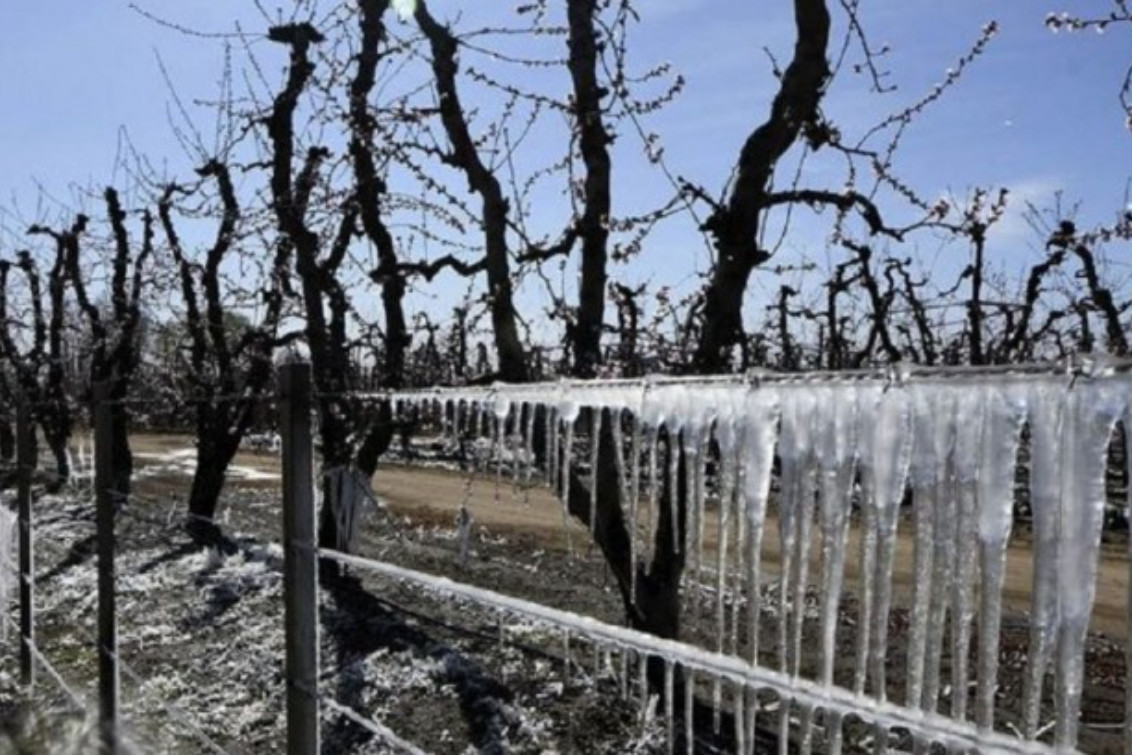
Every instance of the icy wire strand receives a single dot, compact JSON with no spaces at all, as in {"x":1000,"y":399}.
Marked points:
{"x":77,"y":701}
{"x":178,"y":713}
{"x":934,"y":726}
{"x":898,"y":373}
{"x":382,"y":732}
{"x":263,"y":398}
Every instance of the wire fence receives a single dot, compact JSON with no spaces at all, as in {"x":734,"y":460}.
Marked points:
{"x":955,"y":542}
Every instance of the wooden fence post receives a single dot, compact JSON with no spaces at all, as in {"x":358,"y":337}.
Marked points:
{"x":300,"y":560}
{"x":108,"y":682}
{"x":25,"y":461}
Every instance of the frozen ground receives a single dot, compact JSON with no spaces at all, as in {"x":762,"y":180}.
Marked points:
{"x":203,"y":634}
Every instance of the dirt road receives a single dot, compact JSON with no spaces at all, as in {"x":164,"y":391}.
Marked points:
{"x":434,"y":496}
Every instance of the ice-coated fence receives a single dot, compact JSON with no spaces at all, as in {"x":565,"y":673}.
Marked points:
{"x":863,"y":474}
{"x":856,"y":573}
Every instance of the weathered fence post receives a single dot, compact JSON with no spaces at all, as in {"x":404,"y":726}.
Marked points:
{"x":300,"y":560}
{"x":108,"y":683}
{"x":25,"y":461}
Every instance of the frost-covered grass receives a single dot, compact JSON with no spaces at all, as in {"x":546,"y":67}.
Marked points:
{"x":201,"y":639}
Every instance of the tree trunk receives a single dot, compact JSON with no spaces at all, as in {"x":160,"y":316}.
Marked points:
{"x":213,"y":459}
{"x":735,"y":225}
{"x":654,"y":606}
{"x":123,"y":456}
{"x":57,"y":441}
{"x":7,"y":441}
{"x":593,"y":142}
{"x":723,"y":307}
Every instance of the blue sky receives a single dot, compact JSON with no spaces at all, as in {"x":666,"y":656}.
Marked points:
{"x":1037,"y":114}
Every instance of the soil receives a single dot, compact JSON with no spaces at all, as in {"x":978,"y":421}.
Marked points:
{"x":203,"y":630}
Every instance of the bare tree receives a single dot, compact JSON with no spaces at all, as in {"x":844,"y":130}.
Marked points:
{"x":353,"y":434}
{"x":114,"y":332}
{"x":38,"y":366}
{"x":229,"y":368}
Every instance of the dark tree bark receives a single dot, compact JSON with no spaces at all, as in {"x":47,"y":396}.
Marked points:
{"x":40,"y":370}
{"x":735,"y":225}
{"x":114,"y":353}
{"x":350,"y":434}
{"x":370,"y":189}
{"x":880,"y":302}
{"x":594,"y":139}
{"x":228,"y":370}
{"x":1101,"y":296}
{"x":1020,"y":341}
{"x":978,"y":235}
{"x":629,"y":329}
{"x":481,"y":180}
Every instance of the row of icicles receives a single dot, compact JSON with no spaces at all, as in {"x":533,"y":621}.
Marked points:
{"x":832,"y":448}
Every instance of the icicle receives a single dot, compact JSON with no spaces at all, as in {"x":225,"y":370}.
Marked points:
{"x":634,"y":492}
{"x":1091,"y":413}
{"x":518,"y":448}
{"x":806,"y":729}
{"x":502,"y":408}
{"x":674,"y":440}
{"x":833,"y":733}
{"x":654,"y":485}
{"x":726,"y":473}
{"x":653,"y":413}
{"x":552,"y":447}
{"x":1046,"y":424}
{"x":699,"y":497}
{"x":567,"y":656}
{"x":739,"y":571}
{"x":479,"y":415}
{"x":624,"y":675}
{"x":969,"y":421}
{"x":869,"y":399}
{"x":529,"y":452}
{"x":689,"y":711}
{"x":892,"y":450}
{"x":643,"y":682}
{"x":556,"y":442}
{"x":803,"y":523}
{"x":795,"y":451}
{"x":837,"y":445}
{"x":692,"y":439}
{"x":457,"y":411}
{"x":669,"y":705}
{"x":615,"y":421}
{"x":739,"y":705}
{"x":922,"y":478}
{"x":10,"y":578}
{"x":943,"y":545}
{"x":569,"y":415}
{"x":752,"y":719}
{"x":716,"y":703}
{"x":595,"y":447}
{"x":1002,"y":426}
{"x":784,"y":707}
{"x":759,"y":438}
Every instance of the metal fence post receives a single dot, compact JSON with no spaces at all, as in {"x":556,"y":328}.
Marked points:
{"x":25,"y":460}
{"x":108,"y":682}
{"x":300,"y":560}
